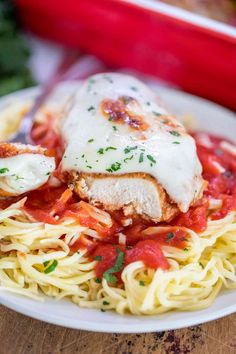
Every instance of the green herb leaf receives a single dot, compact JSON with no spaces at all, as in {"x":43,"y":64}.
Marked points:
{"x":109,"y":274}
{"x":141,"y":157}
{"x":98,"y":280}
{"x":201,"y":265}
{"x":50,"y":268}
{"x":90,"y":140}
{"x":114,"y":128}
{"x":176,"y":142}
{"x":91,"y":81}
{"x":114,"y":167}
{"x":175,"y":133}
{"x":98,"y":258}
{"x":151,"y":158}
{"x":156,"y":114}
{"x":169,"y":237}
{"x":110,"y":148}
{"x":105,"y":303}
{"x":91,"y":108}
{"x":129,"y":148}
{"x":46,"y":263}
{"x":4,"y":170}
{"x":141,"y":283}
{"x":100,"y":151}
{"x":128,"y":158}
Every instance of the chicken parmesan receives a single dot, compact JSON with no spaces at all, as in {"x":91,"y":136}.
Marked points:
{"x":125,"y":151}
{"x":117,"y":206}
{"x":23,"y":168}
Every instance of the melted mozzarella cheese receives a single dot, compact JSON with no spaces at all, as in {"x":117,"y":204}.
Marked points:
{"x":24,"y":172}
{"x":99,"y":144}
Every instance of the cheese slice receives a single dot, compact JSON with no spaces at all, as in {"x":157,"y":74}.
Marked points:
{"x":116,"y":126}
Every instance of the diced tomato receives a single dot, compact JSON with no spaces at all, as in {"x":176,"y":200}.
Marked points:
{"x":83,"y":243}
{"x":44,"y":203}
{"x":61,"y":204}
{"x":229,"y":204}
{"x":108,"y":254}
{"x":86,"y":220}
{"x":44,"y":134}
{"x":42,"y":216}
{"x":195,"y":218}
{"x":148,"y":251}
{"x":209,"y":161}
{"x":173,"y":236}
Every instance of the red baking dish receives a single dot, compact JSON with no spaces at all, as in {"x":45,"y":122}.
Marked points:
{"x":190,"y":51}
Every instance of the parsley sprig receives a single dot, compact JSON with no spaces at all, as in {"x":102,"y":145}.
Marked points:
{"x":109,"y":273}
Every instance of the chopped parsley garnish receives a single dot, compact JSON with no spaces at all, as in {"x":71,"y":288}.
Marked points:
{"x":201,"y":265}
{"x":88,"y":166}
{"x":4,"y":170}
{"x":141,"y":283}
{"x":186,"y":249}
{"x":47,"y":174}
{"x":156,"y":114}
{"x":82,"y":156}
{"x":91,"y":81}
{"x":91,"y":108}
{"x":102,"y":310}
{"x":114,"y":128}
{"x":129,"y":148}
{"x":141,"y":157}
{"x":110,"y":118}
{"x":169,"y":237}
{"x":174,"y":132}
{"x":50,"y":268}
{"x":46,"y":263}
{"x":109,"y":274}
{"x":110,"y":148}
{"x":176,"y":142}
{"x":98,"y":280}
{"x":108,"y":79}
{"x":151,"y":158}
{"x":90,"y":140}
{"x":114,"y":167}
{"x":100,"y":151}
{"x":98,"y":258}
{"x":105,"y":303}
{"x":133,"y":88}
{"x":128,"y":158}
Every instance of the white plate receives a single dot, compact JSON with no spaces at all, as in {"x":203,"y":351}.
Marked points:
{"x":211,"y":118}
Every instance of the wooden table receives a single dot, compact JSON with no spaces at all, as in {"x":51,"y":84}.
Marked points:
{"x":20,"y":334}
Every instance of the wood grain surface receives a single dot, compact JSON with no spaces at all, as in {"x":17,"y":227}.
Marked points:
{"x":20,"y":334}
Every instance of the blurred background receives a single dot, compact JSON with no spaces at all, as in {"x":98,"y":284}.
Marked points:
{"x":187,"y":44}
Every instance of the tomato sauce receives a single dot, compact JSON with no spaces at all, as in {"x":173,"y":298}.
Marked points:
{"x":144,"y":241}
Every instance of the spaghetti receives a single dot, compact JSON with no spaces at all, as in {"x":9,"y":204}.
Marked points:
{"x":53,"y":244}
